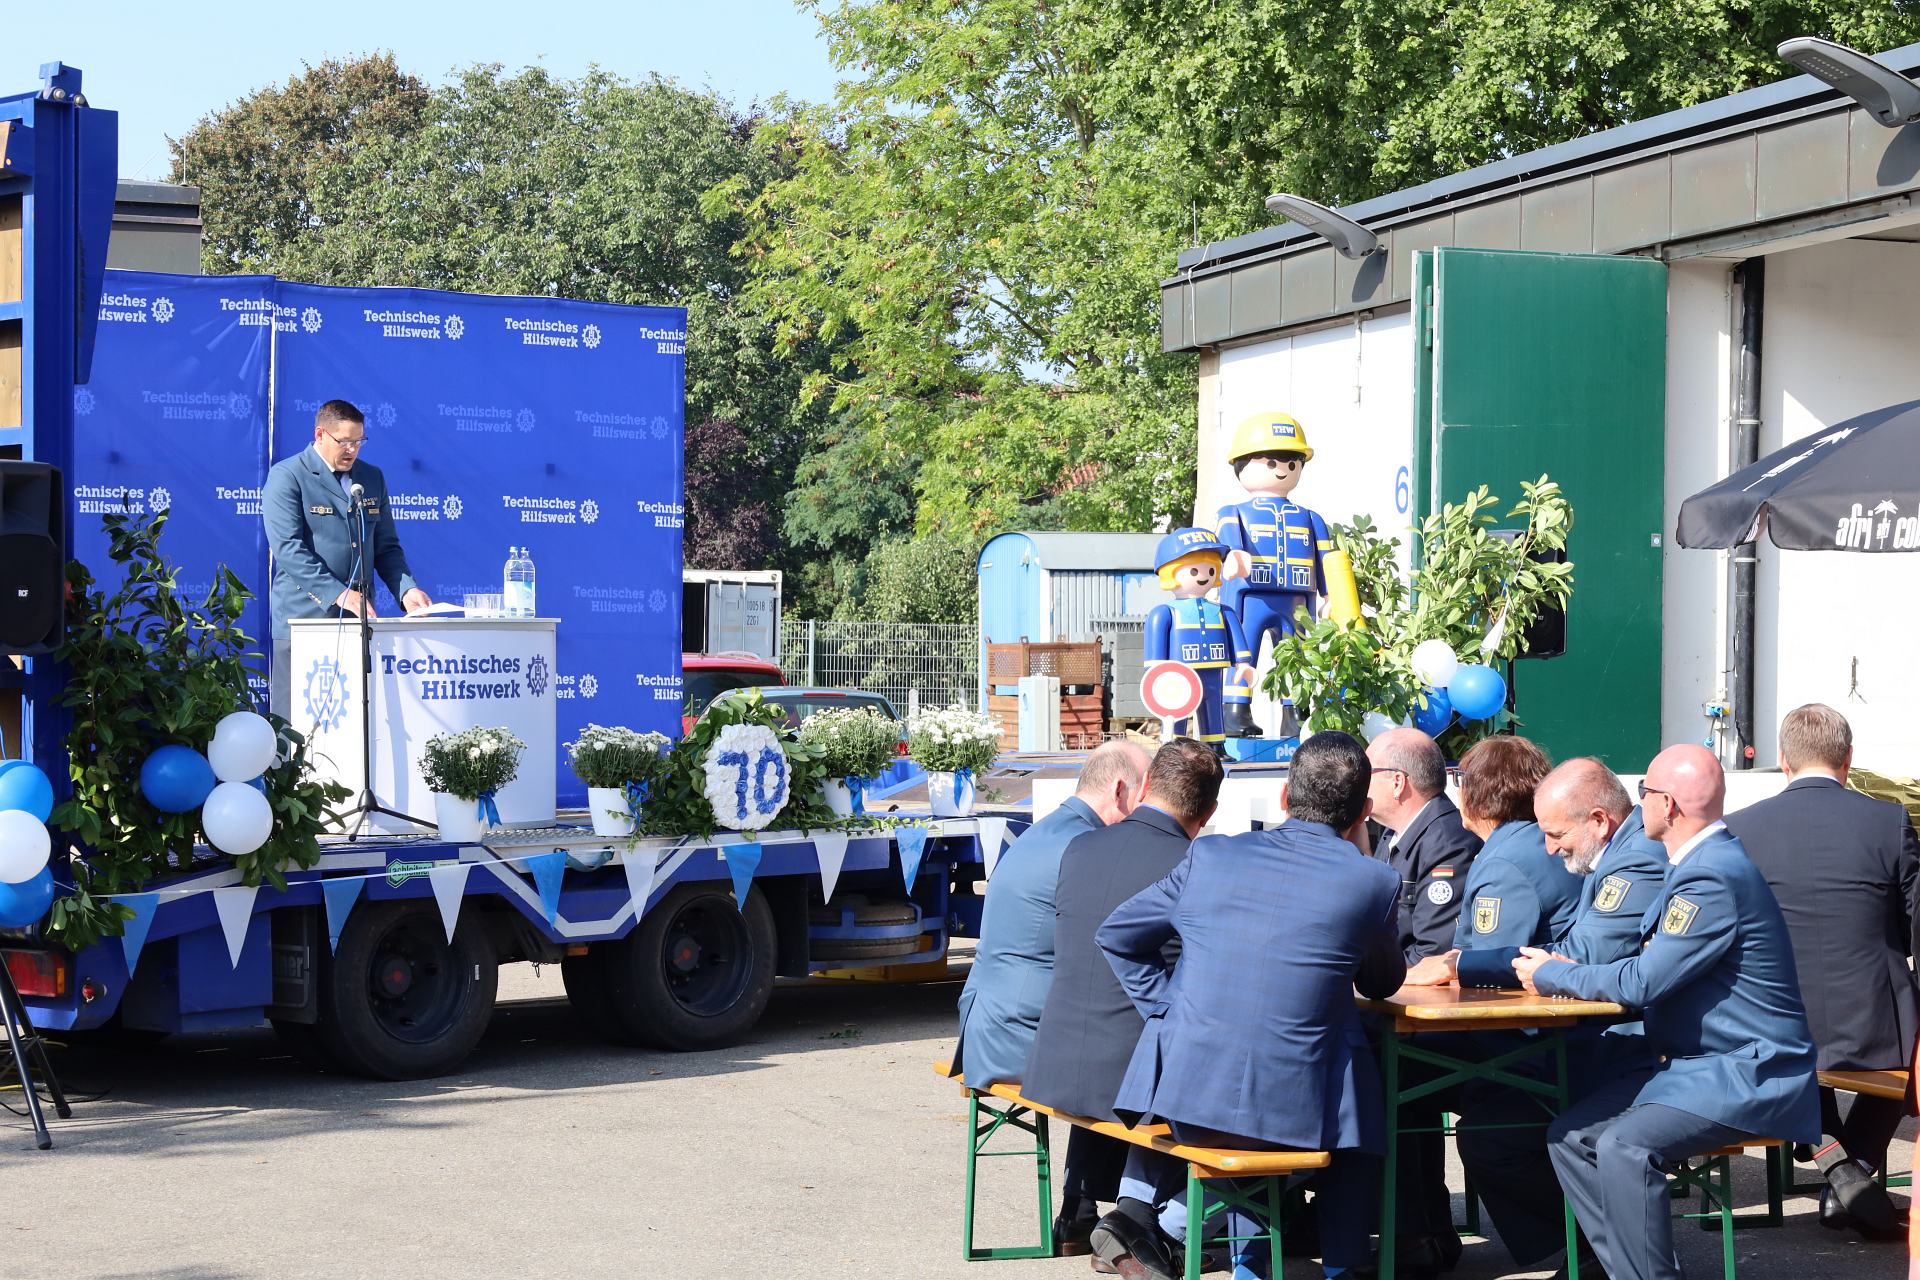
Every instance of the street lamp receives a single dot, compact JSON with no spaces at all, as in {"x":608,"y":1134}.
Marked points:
{"x":1888,"y":96}
{"x":1343,"y":233}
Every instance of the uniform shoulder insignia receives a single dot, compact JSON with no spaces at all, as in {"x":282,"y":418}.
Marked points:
{"x":1680,"y":914}
{"x":1445,"y":873}
{"x":1613,"y":892}
{"x":1486,"y":915}
{"x":1439,"y":892}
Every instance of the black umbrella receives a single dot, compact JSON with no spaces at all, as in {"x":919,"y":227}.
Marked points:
{"x":1851,"y":487}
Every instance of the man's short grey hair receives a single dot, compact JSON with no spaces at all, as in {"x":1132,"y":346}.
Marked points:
{"x":1419,"y":758}
{"x":1109,"y":763}
{"x":1815,"y":734}
{"x":1585,"y":784}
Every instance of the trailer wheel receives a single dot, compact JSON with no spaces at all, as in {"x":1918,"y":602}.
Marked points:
{"x":400,"y":1002}
{"x":696,"y":972}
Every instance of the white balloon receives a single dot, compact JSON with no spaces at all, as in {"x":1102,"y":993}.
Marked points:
{"x":24,"y":846}
{"x":243,"y":746}
{"x":236,"y":818}
{"x":1373,"y":724}
{"x":1435,"y":662}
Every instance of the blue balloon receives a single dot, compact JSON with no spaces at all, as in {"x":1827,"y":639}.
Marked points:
{"x":1476,"y":691}
{"x":1434,"y":718}
{"x":24,"y":903}
{"x":176,"y":779}
{"x":24,"y":786}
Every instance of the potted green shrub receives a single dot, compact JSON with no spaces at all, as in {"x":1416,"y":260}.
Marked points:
{"x":952,"y":744}
{"x":855,"y":744}
{"x":465,"y":772}
{"x":618,"y":765}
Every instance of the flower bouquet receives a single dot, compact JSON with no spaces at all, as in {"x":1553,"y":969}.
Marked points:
{"x":619,"y":766}
{"x":465,"y":772}
{"x":952,"y":744}
{"x":856,"y":744}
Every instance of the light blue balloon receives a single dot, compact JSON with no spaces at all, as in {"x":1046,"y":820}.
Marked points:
{"x":1476,"y":691}
{"x":25,"y":786}
{"x":24,"y":903}
{"x":176,"y":779}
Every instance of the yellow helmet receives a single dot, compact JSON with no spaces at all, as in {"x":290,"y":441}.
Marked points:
{"x":1268,"y":433}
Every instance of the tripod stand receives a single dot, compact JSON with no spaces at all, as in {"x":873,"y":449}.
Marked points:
{"x":367,"y":804}
{"x":30,"y":1052}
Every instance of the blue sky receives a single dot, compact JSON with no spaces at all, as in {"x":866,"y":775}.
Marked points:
{"x":163,"y":66}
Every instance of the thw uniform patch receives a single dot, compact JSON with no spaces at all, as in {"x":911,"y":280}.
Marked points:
{"x":1612,"y":892}
{"x":1486,"y":915}
{"x":1680,"y":914}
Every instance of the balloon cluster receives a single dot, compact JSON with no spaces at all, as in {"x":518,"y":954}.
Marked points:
{"x":26,"y":881}
{"x":1469,"y":691}
{"x":224,"y":784}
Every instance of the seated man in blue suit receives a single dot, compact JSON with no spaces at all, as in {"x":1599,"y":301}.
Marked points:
{"x":1589,"y":821}
{"x":1013,"y":963}
{"x":1717,"y":987}
{"x":315,"y":532}
{"x":1252,"y":1040}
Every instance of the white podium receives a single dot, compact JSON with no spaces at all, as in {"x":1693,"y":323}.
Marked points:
{"x":430,"y":675}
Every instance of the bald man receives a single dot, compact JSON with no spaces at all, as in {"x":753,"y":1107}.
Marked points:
{"x":1716,"y":985}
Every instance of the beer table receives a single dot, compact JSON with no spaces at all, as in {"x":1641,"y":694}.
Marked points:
{"x":1467,"y":1011}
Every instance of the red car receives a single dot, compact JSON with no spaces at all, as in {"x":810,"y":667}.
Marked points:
{"x":705,"y":676}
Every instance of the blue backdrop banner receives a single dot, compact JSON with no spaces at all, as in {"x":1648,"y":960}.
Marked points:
{"x":499,"y":422}
{"x":175,"y":420}
{"x":518,"y":422}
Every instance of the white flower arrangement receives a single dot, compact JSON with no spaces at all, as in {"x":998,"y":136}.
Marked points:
{"x":747,"y":777}
{"x":855,"y":742}
{"x":471,"y":762}
{"x":948,"y":739}
{"x":612,"y":757}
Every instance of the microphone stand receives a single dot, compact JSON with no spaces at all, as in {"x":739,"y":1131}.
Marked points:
{"x":368,"y":804}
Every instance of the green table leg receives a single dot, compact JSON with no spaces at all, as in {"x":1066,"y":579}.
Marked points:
{"x":1196,"y":1223}
{"x":1389,"y":1207}
{"x":979,"y":1135}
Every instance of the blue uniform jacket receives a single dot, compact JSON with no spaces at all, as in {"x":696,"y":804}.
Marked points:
{"x":1285,"y":542}
{"x":1720,"y":996}
{"x":310,"y":531}
{"x":1199,"y":633}
{"x":1253,"y":1031}
{"x":1517,"y":894}
{"x":1623,"y":885}
{"x":1013,"y":965}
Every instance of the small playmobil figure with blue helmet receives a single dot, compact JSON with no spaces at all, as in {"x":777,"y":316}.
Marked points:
{"x":1193,"y":629}
{"x":1273,"y":565}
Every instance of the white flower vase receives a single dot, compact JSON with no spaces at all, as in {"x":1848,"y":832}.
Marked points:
{"x":608,"y":808}
{"x":950,"y":794}
{"x":458,"y":819}
{"x":837,"y":796}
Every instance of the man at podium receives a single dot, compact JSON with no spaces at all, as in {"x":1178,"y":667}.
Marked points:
{"x":316,"y":524}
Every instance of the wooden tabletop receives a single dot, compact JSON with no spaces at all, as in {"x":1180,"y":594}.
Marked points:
{"x":1484,"y":1009}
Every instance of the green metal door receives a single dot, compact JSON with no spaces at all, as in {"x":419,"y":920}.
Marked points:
{"x":1542,"y":363}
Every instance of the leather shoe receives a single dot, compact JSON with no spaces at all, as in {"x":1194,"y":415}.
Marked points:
{"x":1863,"y":1200}
{"x":1071,"y":1230}
{"x":1133,"y":1248}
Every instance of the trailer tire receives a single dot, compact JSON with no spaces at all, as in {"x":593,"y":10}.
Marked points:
{"x":400,"y":1002}
{"x":869,"y":913}
{"x":695,"y":973}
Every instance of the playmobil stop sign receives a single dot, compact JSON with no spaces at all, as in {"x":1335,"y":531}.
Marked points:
{"x":1171,"y":690}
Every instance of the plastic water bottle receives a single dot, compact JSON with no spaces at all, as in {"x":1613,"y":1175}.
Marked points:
{"x":518,"y":584}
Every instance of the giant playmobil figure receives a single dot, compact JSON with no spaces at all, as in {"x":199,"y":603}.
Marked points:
{"x":1273,"y":566}
{"x":1193,"y":629}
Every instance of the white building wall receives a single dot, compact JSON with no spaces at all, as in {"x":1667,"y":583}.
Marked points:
{"x":1693,"y":635}
{"x":1836,"y":627}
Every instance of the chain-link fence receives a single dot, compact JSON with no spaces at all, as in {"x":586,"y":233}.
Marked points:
{"x":913,"y":664}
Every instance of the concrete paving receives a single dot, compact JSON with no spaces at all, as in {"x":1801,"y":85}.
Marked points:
{"x":823,"y":1147}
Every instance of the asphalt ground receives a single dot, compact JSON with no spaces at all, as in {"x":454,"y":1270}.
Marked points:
{"x":824,"y":1146}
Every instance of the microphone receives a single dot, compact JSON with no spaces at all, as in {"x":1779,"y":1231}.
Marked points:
{"x":357,"y":493}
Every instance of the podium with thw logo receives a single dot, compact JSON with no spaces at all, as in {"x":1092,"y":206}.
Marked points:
{"x":430,"y":676}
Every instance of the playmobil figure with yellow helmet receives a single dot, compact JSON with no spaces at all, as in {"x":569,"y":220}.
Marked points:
{"x":1193,"y":629}
{"x":1273,"y":564}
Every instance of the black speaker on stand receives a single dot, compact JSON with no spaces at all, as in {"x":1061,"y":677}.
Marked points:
{"x":1546,"y":635}
{"x":33,"y":612}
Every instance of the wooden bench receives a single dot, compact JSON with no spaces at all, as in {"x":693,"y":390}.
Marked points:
{"x":1712,"y":1173}
{"x":1205,"y":1165}
{"x":1874,"y":1084}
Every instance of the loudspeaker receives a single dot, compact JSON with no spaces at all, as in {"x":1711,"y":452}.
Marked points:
{"x":1546,"y":635}
{"x":33,"y":615}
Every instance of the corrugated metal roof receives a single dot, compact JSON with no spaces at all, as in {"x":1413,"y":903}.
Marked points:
{"x":1070,"y":551}
{"x":1641,"y":137}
